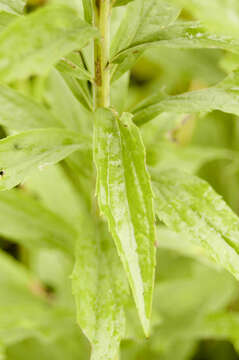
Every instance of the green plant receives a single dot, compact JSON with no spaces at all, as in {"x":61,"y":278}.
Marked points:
{"x":82,"y":90}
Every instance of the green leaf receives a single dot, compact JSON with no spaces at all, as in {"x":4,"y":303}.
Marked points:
{"x":24,"y":220}
{"x":125,"y":199}
{"x":143,"y":21}
{"x":121,"y":2}
{"x":12,"y":6}
{"x":5,"y":19}
{"x":25,"y":310}
{"x":17,"y":112}
{"x":64,"y":106}
{"x":99,"y":291}
{"x":88,"y":10}
{"x":218,"y":16}
{"x":182,"y":35}
{"x":223,"y":97}
{"x":187,"y":204}
{"x":73,"y":65}
{"x":20,"y":154}
{"x":48,"y":33}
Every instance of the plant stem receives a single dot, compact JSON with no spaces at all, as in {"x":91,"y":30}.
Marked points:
{"x":102,"y":47}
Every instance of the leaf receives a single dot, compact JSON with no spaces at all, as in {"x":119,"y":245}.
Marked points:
{"x":125,"y":199}
{"x":25,"y":221}
{"x":187,"y":204}
{"x":18,"y":112}
{"x":20,"y":154}
{"x":12,"y":6}
{"x":72,"y":64}
{"x":143,"y":20}
{"x":25,"y":311}
{"x":99,"y":291}
{"x":182,"y":35}
{"x":223,"y":97}
{"x":88,"y":10}
{"x":165,"y":156}
{"x":5,"y":19}
{"x":49,"y":34}
{"x":205,"y":11}
{"x":121,"y":2}
{"x":64,"y":106}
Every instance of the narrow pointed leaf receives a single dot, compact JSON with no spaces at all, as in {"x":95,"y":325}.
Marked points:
{"x":99,"y":291}
{"x":72,"y":64}
{"x":223,"y":97}
{"x":182,"y":35}
{"x":125,"y":199}
{"x":187,"y":204}
{"x":143,"y":20}
{"x":48,"y":33}
{"x":17,"y":112}
{"x":88,"y":10}
{"x":20,"y":154}
{"x":121,"y":2}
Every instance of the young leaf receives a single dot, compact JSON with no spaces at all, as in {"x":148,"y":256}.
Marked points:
{"x":72,"y":64}
{"x":99,"y":291}
{"x":121,"y":2}
{"x":12,"y":6}
{"x":143,"y":20}
{"x":17,"y":112}
{"x":88,"y":10}
{"x":20,"y":154}
{"x":125,"y":199}
{"x":189,"y":205}
{"x":223,"y":97}
{"x":24,"y":220}
{"x":48,"y":33}
{"x":216,"y":15}
{"x":182,"y":35}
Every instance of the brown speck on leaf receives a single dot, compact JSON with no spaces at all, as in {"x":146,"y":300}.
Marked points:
{"x":2,"y":172}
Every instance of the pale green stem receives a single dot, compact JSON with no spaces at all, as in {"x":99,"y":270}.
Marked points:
{"x":102,"y":52}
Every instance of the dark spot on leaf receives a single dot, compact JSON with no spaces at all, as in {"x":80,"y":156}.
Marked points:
{"x":2,"y":172}
{"x":17,"y":147}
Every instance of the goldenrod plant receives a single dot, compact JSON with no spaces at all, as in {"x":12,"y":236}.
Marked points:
{"x":119,"y":179}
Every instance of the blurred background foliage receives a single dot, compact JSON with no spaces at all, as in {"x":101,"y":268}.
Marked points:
{"x":196,"y":305}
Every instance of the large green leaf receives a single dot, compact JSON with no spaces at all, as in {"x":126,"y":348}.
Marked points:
{"x":24,"y":220}
{"x":187,"y":204}
{"x":99,"y":289}
{"x":17,"y":112}
{"x":125,"y":199}
{"x":32,"y":44}
{"x":20,"y":154}
{"x":223,"y":97}
{"x":12,"y":6}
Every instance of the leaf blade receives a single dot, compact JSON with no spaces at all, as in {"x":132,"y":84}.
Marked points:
{"x":122,"y":180}
{"x":49,"y":34}
{"x":20,"y":154}
{"x":188,"y":204}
